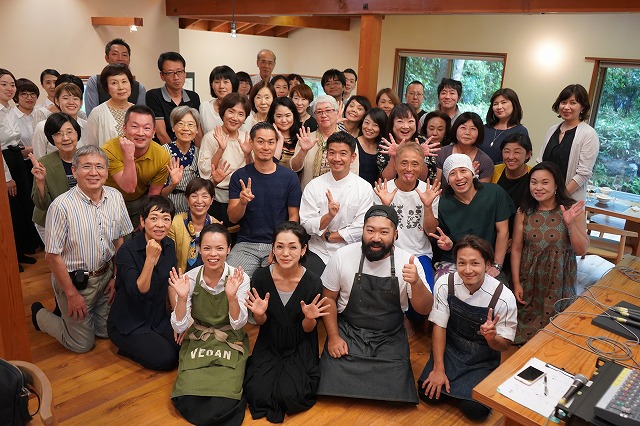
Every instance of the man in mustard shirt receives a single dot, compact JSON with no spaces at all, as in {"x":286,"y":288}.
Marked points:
{"x":137,"y":165}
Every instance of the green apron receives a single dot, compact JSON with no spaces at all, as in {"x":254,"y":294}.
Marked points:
{"x":213,"y":355}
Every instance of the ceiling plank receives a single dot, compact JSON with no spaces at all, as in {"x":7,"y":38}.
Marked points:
{"x":194,"y":24}
{"x":320,"y":22}
{"x":283,"y":32}
{"x":222,"y":26}
{"x":263,"y":29}
{"x":391,"y":7}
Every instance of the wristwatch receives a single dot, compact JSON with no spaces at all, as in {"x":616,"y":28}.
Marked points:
{"x":498,"y":266}
{"x":326,"y":235}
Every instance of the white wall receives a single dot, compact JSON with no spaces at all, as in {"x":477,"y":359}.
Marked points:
{"x":305,"y":52}
{"x":39,"y":34}
{"x":520,"y":36}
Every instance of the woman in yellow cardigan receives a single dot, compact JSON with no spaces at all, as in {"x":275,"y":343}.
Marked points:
{"x":186,"y":227}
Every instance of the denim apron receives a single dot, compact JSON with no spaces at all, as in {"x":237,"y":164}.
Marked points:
{"x":468,"y":359}
{"x":378,"y":364}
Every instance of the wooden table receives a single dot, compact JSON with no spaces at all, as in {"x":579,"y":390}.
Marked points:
{"x":558,"y":352}
{"x":620,"y":209}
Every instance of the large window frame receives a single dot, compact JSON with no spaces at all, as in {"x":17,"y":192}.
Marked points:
{"x":402,"y":54}
{"x":602,"y":175}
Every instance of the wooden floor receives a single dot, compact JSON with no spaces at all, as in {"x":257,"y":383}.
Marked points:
{"x":101,"y":388}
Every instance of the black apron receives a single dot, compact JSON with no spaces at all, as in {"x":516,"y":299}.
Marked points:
{"x":468,"y":359}
{"x":378,"y":365}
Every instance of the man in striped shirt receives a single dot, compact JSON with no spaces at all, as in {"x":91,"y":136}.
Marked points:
{"x":83,"y":232}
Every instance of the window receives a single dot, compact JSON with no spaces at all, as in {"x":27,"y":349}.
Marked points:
{"x":615,"y":115}
{"x":480,"y":73}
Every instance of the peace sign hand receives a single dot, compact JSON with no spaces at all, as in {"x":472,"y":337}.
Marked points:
{"x":430,"y":193}
{"x":220,"y":172}
{"x":307,"y":139}
{"x":221,"y":137}
{"x":316,"y":309}
{"x":382,"y":191}
{"x":443,"y":241}
{"x":38,"y":170}
{"x":488,"y":329}
{"x":246,"y":195}
{"x":333,"y":206}
{"x":175,"y":170}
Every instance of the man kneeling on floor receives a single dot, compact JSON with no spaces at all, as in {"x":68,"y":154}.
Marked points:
{"x":366,"y":354}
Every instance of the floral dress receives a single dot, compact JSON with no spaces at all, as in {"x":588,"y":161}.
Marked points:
{"x":548,"y":271}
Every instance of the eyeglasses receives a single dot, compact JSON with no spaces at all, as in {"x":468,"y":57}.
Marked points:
{"x":28,"y":95}
{"x":178,"y":73}
{"x":183,"y":125}
{"x":68,"y":133}
{"x":88,"y":167}
{"x":324,"y":112}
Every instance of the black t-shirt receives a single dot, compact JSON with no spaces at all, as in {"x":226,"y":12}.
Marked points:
{"x":162,"y":108}
{"x":368,"y":166}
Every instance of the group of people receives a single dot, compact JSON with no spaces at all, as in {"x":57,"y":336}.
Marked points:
{"x":270,"y":205}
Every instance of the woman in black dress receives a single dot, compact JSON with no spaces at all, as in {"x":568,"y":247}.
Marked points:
{"x":282,"y":373}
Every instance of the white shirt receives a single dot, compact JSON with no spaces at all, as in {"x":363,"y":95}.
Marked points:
{"x":41,"y":145}
{"x":243,"y":291}
{"x":9,"y":134}
{"x":211,"y":118}
{"x":101,"y":126}
{"x":411,"y":235}
{"x":233,"y":155}
{"x":343,"y":266}
{"x":506,"y":306}
{"x":355,"y":196}
{"x":25,"y":123}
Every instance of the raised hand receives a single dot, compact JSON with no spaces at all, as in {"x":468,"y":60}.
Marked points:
{"x":382,"y":191}
{"x":476,"y":167}
{"x":153,"y":250}
{"x":246,"y":195}
{"x":428,"y":149}
{"x":221,"y":137}
{"x":179,"y":282}
{"x":245,"y":144}
{"x":307,"y":139}
{"x":333,"y":206}
{"x":430,"y":193}
{"x":389,"y":147}
{"x":443,"y":241}
{"x":38,"y":171}
{"x":127,"y":147}
{"x":410,"y":272}
{"x":175,"y":170}
{"x":569,"y":215}
{"x":220,"y":171}
{"x":233,"y":283}
{"x":316,"y":309}
{"x":488,"y":329}
{"x":255,"y":304}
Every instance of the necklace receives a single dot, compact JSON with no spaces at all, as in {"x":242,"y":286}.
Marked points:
{"x":496,"y":135}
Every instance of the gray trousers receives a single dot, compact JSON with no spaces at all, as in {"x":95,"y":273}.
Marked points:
{"x":250,"y":256}
{"x":79,"y":336}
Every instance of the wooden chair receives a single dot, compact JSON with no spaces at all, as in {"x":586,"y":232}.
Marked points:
{"x":604,"y":247}
{"x":41,"y":384}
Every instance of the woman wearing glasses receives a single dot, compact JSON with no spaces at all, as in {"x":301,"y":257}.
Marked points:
{"x":183,"y":165}
{"x":310,"y":155}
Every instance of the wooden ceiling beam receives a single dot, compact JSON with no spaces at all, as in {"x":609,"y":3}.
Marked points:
{"x":220,"y":26}
{"x":193,"y":24}
{"x":264,"y":29}
{"x":271,"y":8}
{"x":320,"y":22}
{"x":283,"y":32}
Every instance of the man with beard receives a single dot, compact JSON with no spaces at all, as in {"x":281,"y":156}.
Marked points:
{"x":366,"y":354}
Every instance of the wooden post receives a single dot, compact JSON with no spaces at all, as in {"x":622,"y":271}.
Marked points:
{"x":14,"y":341}
{"x":369,"y":56}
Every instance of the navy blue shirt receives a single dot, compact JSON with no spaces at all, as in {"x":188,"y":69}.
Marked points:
{"x":274,"y":194}
{"x":133,"y":311}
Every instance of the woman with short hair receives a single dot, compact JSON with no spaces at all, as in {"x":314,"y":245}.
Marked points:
{"x":106,"y":121}
{"x":573,"y":145}
{"x":222,"y":81}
